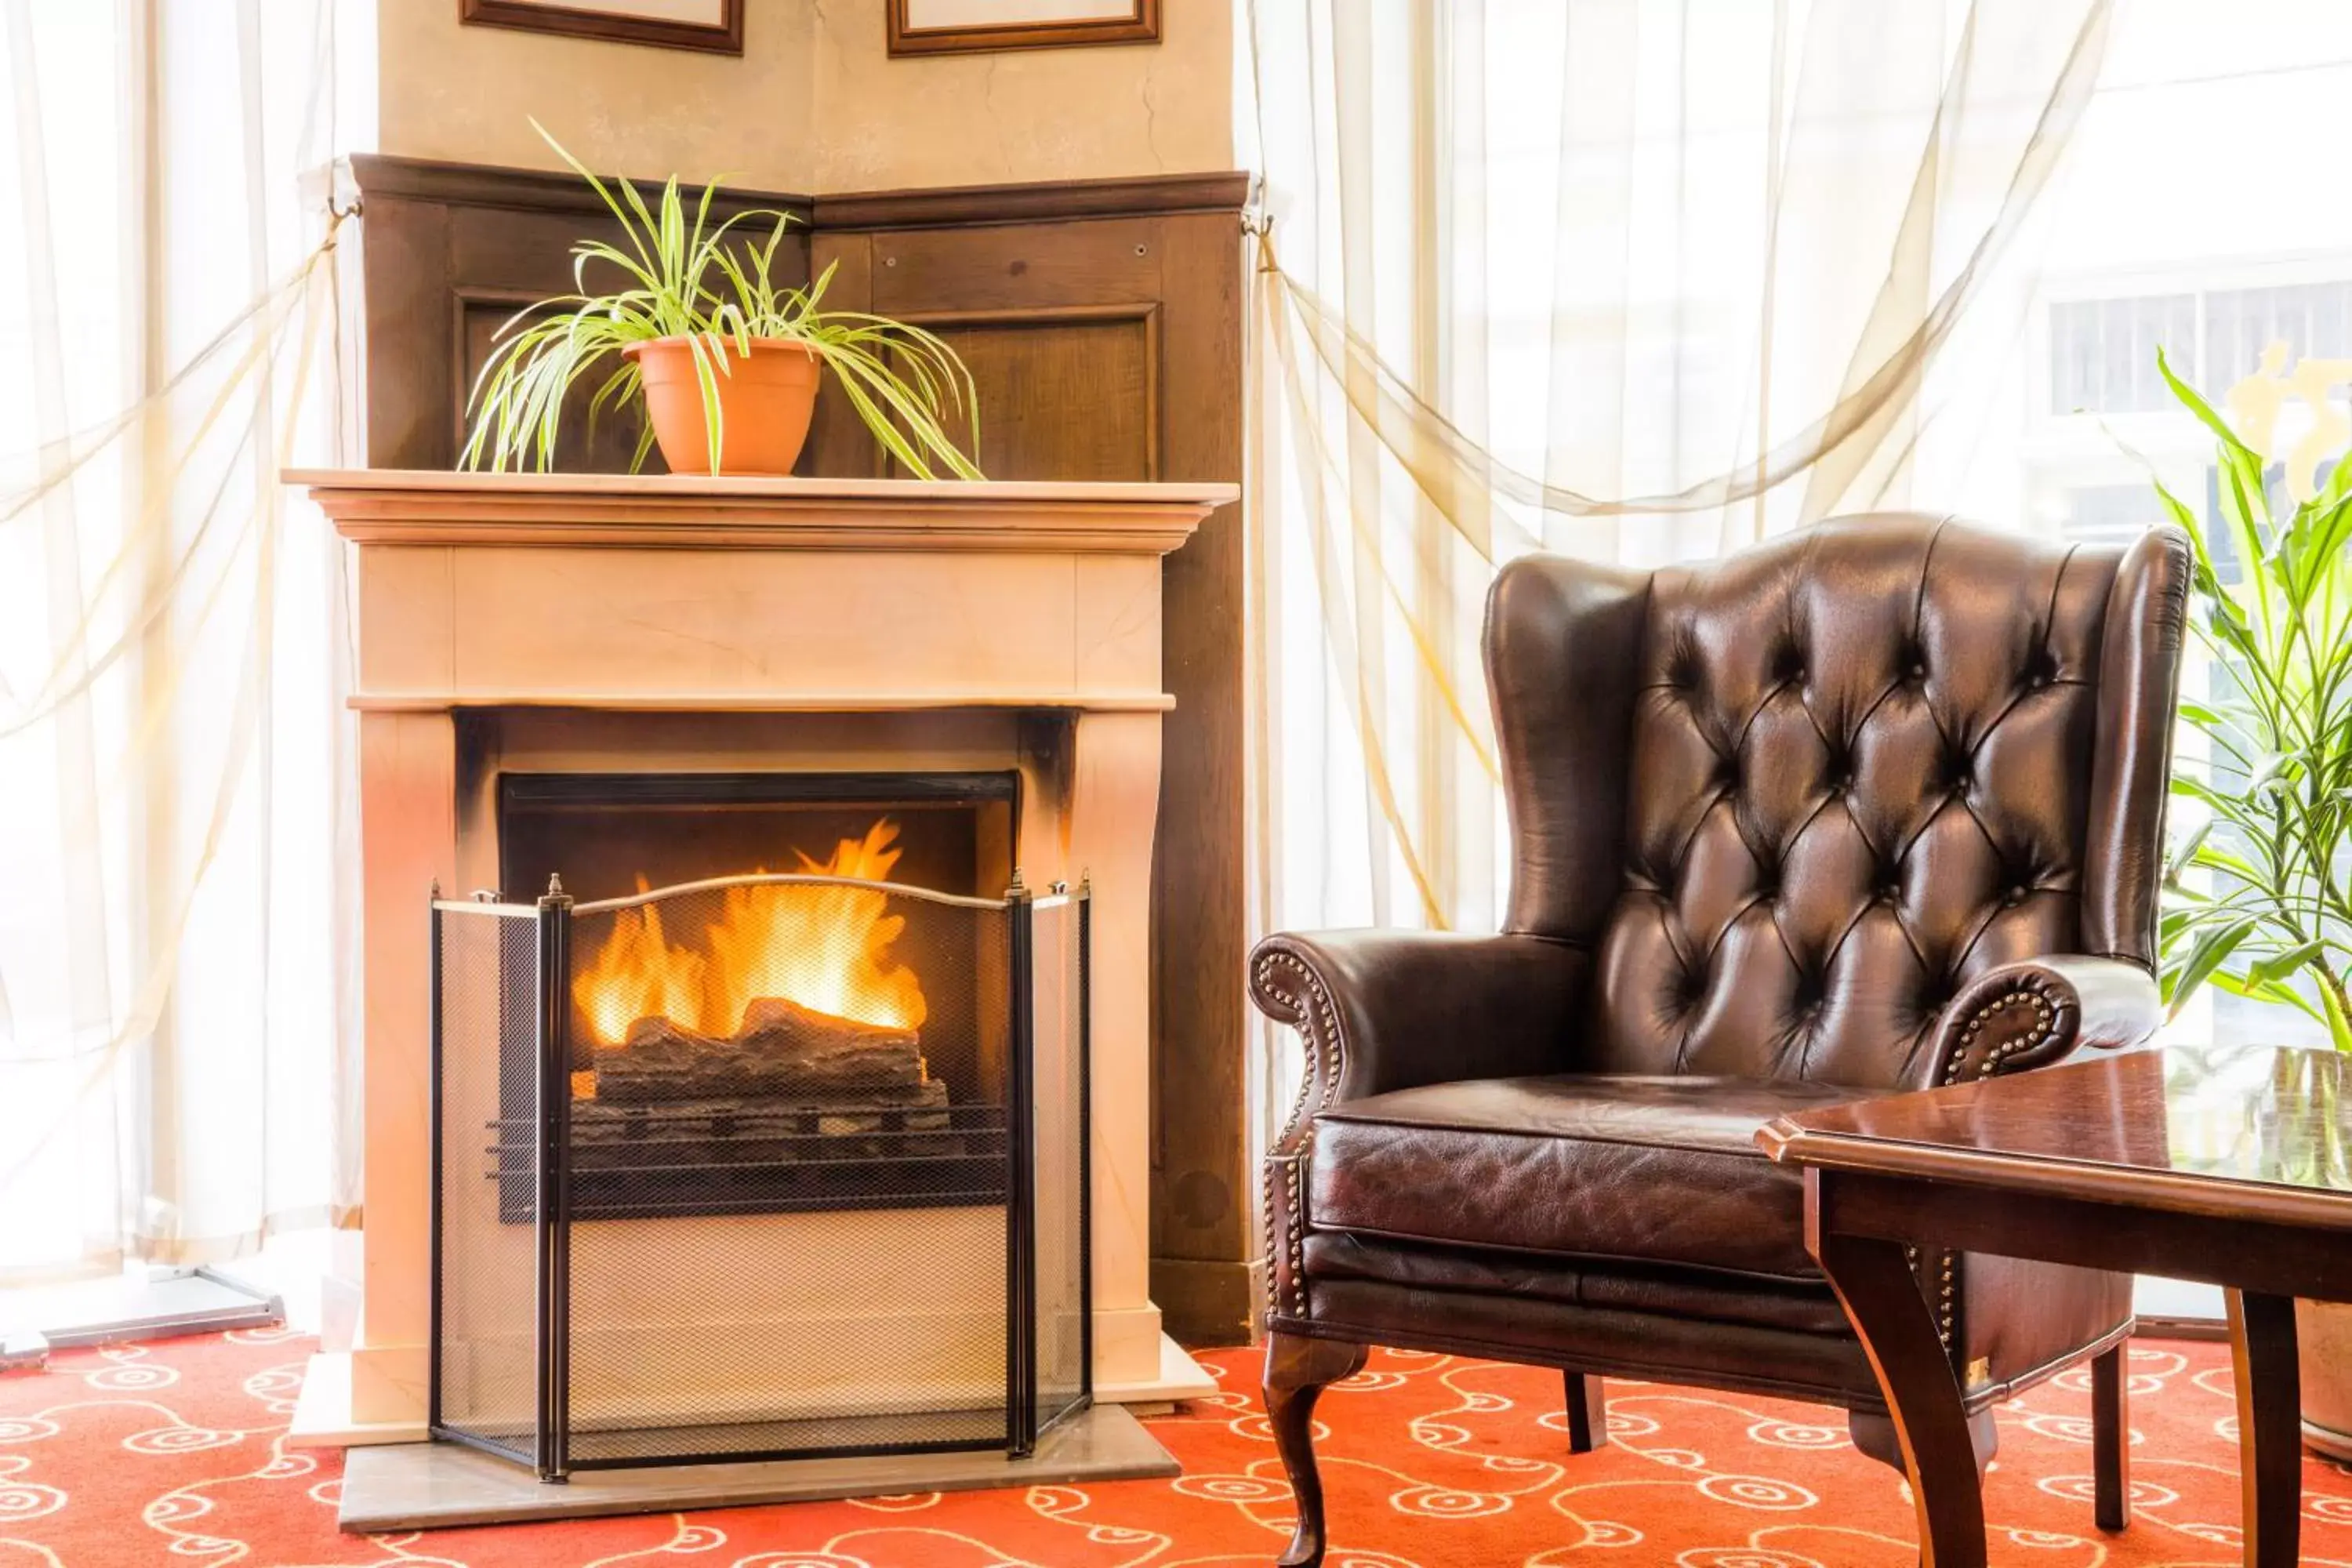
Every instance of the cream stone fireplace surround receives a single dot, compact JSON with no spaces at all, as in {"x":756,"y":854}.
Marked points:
{"x":603,"y":623}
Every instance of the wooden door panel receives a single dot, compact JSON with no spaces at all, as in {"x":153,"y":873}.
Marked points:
{"x":1060,"y":397}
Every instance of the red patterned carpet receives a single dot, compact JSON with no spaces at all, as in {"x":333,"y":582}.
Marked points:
{"x":172,"y":1453}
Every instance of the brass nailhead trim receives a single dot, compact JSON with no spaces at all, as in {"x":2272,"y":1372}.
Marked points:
{"x":2037,"y":1033}
{"x":1317,"y":1019}
{"x":1273,"y":1281}
{"x":2044,"y":1018}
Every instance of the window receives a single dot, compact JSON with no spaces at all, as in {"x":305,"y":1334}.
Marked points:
{"x":2103,"y":351}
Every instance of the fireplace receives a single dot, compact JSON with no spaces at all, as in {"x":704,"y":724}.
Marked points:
{"x":769,"y":1164}
{"x":919,"y":1088}
{"x":976,"y":665}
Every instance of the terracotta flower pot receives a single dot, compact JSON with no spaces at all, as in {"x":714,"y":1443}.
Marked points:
{"x":765,"y":402}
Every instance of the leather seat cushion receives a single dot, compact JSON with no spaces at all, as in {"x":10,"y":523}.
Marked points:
{"x":1805,"y":1307}
{"x":1649,"y":1170}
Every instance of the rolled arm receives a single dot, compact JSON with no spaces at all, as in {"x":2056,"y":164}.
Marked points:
{"x":2011,"y":1316}
{"x":1391,"y":1009}
{"x":2036,"y":1012}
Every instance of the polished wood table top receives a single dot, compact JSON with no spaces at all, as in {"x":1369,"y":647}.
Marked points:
{"x":2230,"y":1163}
{"x":2196,"y":1129}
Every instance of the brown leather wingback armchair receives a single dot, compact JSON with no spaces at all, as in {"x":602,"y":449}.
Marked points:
{"x":1868,"y":808}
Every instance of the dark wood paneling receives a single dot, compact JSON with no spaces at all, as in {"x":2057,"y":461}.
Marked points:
{"x":970,"y":206}
{"x":526,"y":190}
{"x":1206,"y":1263}
{"x":1067,"y":394}
{"x":480,"y":313}
{"x":1102,"y":321}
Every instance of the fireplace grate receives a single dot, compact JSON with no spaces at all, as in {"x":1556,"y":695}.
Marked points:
{"x":718,"y":1158}
{"x":801,"y":1223}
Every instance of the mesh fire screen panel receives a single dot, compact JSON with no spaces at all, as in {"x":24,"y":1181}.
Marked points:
{"x":487,"y":1387}
{"x":1057,"y":1139}
{"x":807,"y":1159}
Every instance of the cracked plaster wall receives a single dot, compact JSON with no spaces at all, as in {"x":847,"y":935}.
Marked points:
{"x":814,"y":106}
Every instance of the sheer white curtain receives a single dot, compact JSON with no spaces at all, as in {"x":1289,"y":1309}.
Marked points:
{"x":1639,"y":280}
{"x":174,"y":788}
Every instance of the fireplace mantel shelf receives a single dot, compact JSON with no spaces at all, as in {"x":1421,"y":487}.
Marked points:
{"x":768,"y":701}
{"x":398,"y":505}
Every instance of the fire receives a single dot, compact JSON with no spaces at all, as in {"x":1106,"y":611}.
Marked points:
{"x":637,"y":974}
{"x":825,"y":947}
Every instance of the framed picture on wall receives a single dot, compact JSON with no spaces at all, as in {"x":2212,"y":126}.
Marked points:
{"x":713,"y":25}
{"x":971,"y":27}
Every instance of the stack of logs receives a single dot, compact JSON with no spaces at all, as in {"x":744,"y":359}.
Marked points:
{"x":787,"y":1067}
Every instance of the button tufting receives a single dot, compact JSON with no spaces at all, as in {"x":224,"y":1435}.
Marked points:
{"x":2014,"y":896}
{"x":1918,"y":670}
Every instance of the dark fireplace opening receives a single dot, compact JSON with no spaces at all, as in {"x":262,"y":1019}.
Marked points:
{"x":611,"y":834}
{"x":776,"y":1048}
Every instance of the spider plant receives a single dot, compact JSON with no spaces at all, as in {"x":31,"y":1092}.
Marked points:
{"x":684,"y":276}
{"x":2273,"y":919}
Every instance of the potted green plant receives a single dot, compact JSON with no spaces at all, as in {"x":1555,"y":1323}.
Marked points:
{"x":721,"y":365}
{"x":2258,"y":897}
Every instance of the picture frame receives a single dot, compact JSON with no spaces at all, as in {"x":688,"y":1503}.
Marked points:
{"x":980,"y":27}
{"x":715,"y":26}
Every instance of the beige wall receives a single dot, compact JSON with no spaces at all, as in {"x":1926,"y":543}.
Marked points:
{"x":813,"y":105}
{"x":1028,"y":114}
{"x":466,"y":94}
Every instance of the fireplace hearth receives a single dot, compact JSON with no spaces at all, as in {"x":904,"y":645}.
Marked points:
{"x":774,"y":1164}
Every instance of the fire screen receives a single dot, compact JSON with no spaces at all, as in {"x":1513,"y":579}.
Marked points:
{"x":721,"y":1171}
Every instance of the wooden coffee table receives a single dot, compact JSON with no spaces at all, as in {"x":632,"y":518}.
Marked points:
{"x":2226,"y":1164}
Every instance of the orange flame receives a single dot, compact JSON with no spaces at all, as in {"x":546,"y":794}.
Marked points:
{"x":825,"y":947}
{"x":638,"y":974}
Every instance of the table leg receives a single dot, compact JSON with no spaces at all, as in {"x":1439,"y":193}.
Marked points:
{"x":2111,"y":1438}
{"x":1872,"y":1277}
{"x":2270,"y":1426}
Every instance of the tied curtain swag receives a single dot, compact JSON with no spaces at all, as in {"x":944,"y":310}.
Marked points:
{"x":1633,"y":280}
{"x":176,"y":1039}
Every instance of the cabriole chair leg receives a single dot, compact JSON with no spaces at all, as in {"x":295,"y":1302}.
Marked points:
{"x":1296,"y":1369}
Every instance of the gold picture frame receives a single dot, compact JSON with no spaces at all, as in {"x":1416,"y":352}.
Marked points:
{"x":614,"y":22}
{"x":987,"y":25}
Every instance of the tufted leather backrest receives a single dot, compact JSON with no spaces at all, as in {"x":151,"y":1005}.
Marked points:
{"x":1862,"y":764}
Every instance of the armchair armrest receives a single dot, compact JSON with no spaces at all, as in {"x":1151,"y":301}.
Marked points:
{"x":2030,"y":1013}
{"x":1393,"y":1009}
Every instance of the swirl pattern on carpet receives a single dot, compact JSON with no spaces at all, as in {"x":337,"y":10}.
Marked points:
{"x":174,"y":1453}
